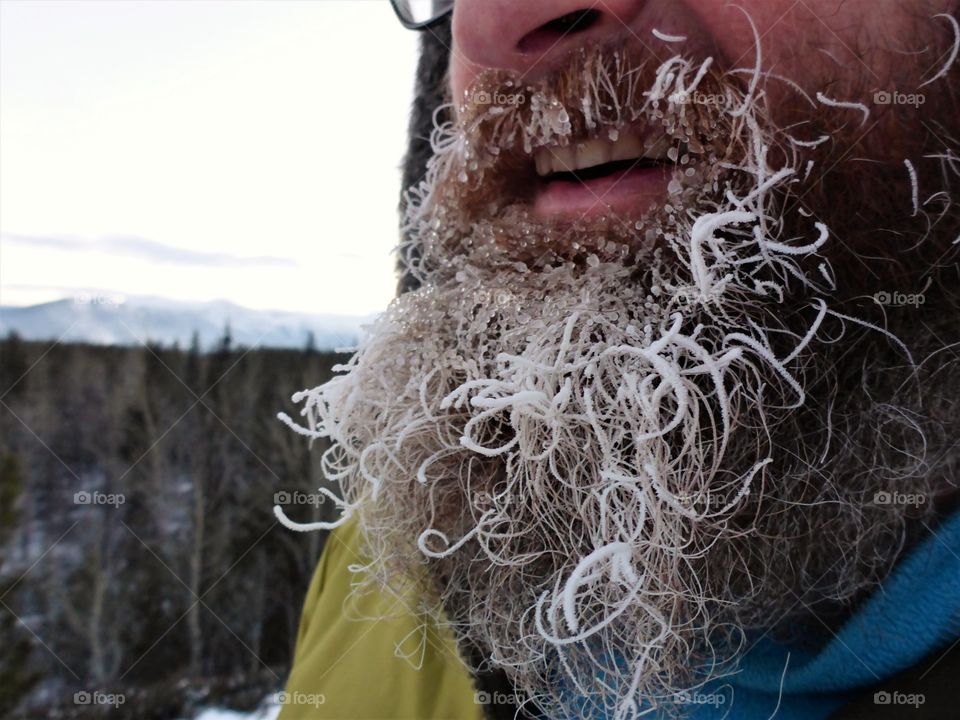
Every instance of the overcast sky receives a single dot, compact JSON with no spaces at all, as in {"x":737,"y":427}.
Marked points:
{"x":197,"y":150}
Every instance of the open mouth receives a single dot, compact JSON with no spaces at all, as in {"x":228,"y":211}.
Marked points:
{"x":626,"y":172}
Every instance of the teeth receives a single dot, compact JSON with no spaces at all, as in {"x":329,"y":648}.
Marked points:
{"x":599,"y":151}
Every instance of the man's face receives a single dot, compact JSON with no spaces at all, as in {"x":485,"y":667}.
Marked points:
{"x":859,"y":51}
{"x":651,"y":393}
{"x":860,"y":36}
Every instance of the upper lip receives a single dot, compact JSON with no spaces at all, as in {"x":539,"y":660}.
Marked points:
{"x":609,"y":146}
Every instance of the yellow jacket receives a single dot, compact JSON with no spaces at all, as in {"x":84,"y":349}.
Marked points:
{"x":349,"y":665}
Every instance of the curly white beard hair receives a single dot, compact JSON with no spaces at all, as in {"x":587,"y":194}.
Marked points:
{"x":607,"y":450}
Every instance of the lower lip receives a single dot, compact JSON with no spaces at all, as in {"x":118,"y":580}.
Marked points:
{"x":633,"y":192}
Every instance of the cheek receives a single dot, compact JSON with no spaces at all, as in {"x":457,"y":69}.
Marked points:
{"x":462,"y":73}
{"x":789,"y":31}
{"x":816,"y":44}
{"x":809,"y":41}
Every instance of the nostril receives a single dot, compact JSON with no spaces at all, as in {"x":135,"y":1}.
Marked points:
{"x":548,"y":34}
{"x":572,"y":22}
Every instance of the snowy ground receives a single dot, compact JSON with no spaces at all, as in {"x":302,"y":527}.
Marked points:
{"x":268,"y":710}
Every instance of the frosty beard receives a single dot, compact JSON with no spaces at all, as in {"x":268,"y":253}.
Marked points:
{"x":606,"y":449}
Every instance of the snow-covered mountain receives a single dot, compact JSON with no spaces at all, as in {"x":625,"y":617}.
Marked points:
{"x":117,"y":320}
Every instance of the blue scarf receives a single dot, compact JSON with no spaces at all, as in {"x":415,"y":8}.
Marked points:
{"x":914,"y":613}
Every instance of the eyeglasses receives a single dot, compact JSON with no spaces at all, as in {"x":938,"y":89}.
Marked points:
{"x":421,"y":14}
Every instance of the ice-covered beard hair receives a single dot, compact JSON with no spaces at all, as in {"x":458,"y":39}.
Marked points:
{"x":596,"y":460}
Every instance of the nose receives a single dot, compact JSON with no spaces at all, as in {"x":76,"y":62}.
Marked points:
{"x":529,"y":36}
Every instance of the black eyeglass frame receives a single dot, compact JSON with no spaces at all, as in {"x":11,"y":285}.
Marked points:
{"x":426,"y":24}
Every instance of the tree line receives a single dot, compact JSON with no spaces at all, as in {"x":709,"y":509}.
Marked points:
{"x":139,"y":556}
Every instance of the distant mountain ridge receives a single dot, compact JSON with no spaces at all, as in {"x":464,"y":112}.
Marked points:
{"x":118,"y":320}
